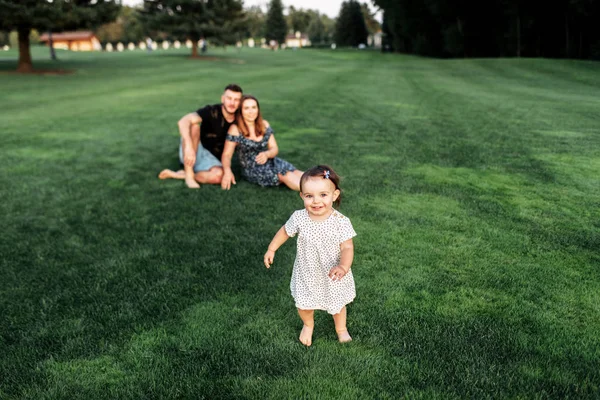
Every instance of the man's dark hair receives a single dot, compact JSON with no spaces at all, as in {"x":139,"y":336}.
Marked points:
{"x":234,"y":88}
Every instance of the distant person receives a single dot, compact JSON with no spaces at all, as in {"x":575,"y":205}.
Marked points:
{"x":202,"y":140}
{"x":258,"y":150}
{"x":149,"y":44}
{"x":321,"y":278}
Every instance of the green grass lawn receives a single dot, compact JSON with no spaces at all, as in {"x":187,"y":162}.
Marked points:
{"x":474,"y":186}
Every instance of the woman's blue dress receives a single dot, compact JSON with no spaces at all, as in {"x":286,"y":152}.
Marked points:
{"x":263,"y":175}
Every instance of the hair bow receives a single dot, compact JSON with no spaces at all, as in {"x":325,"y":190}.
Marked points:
{"x":326,"y":174}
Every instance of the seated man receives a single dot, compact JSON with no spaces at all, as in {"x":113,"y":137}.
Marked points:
{"x":202,"y":139}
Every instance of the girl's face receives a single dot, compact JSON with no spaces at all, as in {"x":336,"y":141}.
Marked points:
{"x":250,"y":110}
{"x":319,"y":194}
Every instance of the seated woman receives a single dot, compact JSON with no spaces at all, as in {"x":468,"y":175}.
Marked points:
{"x":257,"y":150}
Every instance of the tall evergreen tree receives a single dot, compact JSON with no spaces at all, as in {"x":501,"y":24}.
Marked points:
{"x":316,"y":30}
{"x":255,"y":22}
{"x":276,"y":28}
{"x":219,"y":20}
{"x":57,"y":15}
{"x":350,"y":28}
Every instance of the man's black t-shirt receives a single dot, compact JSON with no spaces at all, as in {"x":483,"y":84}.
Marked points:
{"x":213,"y":129}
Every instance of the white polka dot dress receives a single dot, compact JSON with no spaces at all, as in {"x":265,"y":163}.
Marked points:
{"x":318,"y":251}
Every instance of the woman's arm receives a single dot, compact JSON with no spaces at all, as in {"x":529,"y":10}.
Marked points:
{"x":272,"y":152}
{"x":273,"y":149}
{"x":228,"y":150}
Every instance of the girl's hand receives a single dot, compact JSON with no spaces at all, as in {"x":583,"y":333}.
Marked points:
{"x":337,"y":273}
{"x":261,"y":158}
{"x":268,"y":259}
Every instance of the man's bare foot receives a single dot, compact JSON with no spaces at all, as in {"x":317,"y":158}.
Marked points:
{"x":191,"y":183}
{"x":168,"y":174}
{"x":344,"y":337}
{"x":306,"y":335}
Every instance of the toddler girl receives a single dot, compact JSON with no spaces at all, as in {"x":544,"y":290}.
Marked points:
{"x":321,"y":279}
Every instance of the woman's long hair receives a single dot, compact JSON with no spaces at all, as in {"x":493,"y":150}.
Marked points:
{"x":259,"y":125}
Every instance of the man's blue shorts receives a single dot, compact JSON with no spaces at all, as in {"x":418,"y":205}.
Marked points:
{"x":204,"y":159}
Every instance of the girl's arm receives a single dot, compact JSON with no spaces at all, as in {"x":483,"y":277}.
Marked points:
{"x":228,"y":150}
{"x":280,"y":237}
{"x":346,"y":258}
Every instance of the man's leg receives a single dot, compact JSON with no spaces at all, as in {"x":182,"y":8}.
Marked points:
{"x":208,"y":168}
{"x":212,"y":176}
{"x":189,"y":177}
{"x":182,"y":173}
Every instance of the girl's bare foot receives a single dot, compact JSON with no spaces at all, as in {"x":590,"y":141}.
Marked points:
{"x":344,"y":337}
{"x":168,"y":174}
{"x":306,"y":335}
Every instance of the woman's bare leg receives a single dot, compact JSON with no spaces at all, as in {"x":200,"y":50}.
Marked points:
{"x":291,"y":179}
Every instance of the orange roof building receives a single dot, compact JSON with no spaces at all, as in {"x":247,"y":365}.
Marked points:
{"x":75,"y":41}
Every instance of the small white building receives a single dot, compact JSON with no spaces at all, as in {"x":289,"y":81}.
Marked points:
{"x":375,"y":39}
{"x":297,"y":40}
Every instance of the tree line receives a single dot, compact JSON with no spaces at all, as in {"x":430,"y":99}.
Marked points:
{"x":222,"y":22}
{"x":492,"y":28}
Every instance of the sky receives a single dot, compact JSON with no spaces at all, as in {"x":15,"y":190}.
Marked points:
{"x":329,"y":7}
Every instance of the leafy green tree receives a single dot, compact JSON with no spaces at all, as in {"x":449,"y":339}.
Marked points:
{"x":126,"y":28}
{"x":56,"y":15}
{"x":276,"y":28}
{"x":373,"y":26}
{"x":299,"y":19}
{"x":316,"y":30}
{"x":350,"y":28}
{"x":218,"y":20}
{"x":255,"y":22}
{"x":321,"y":28}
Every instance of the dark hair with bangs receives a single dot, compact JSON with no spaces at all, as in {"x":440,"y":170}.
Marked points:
{"x":325,"y":172}
{"x":259,"y":125}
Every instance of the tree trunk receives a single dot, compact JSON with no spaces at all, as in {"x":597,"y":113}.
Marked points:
{"x":518,"y":36}
{"x":194,"y":48}
{"x":51,"y":44}
{"x":567,"y":36}
{"x":460,"y":30}
{"x":25,"y":64}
